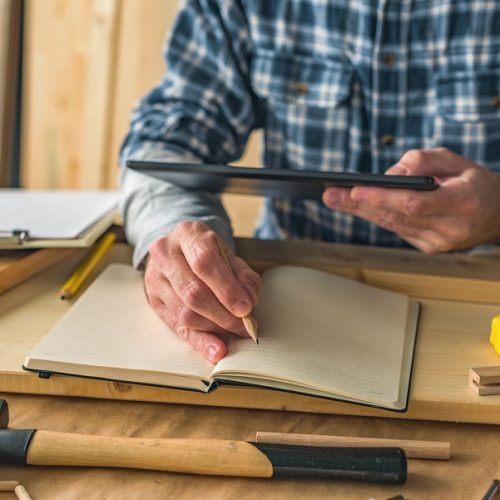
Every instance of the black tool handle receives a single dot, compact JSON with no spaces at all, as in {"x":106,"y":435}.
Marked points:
{"x":381,"y":465}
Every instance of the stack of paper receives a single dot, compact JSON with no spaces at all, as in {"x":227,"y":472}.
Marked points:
{"x":40,"y":219}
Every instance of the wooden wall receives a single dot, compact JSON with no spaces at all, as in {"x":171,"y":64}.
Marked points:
{"x":86,"y":63}
{"x":5,"y":7}
{"x":10,"y":55}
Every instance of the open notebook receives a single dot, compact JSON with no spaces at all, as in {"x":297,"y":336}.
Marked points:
{"x":54,"y":218}
{"x":319,"y":334}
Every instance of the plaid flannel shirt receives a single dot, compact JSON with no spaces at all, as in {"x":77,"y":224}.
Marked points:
{"x":336,"y":85}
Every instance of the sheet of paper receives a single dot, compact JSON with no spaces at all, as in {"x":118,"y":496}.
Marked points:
{"x":53,"y":214}
{"x":327,"y":332}
{"x":112,"y":327}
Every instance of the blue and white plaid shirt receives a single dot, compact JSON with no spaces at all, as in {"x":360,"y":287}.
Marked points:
{"x":337,"y":85}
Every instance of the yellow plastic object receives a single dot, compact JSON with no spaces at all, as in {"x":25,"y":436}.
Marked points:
{"x":495,"y":333}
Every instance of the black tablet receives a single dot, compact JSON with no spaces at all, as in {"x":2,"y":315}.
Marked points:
{"x":269,"y":181}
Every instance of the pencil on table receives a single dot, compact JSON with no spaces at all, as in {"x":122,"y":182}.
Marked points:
{"x":248,"y":320}
{"x":74,"y":283}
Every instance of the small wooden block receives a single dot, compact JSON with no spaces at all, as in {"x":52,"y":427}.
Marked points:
{"x":485,"y":380}
{"x":8,"y":485}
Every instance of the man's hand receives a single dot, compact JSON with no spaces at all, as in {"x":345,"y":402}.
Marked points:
{"x":191,"y":288}
{"x":463,"y":212}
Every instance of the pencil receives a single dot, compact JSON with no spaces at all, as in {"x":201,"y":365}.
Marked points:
{"x":248,"y":320}
{"x":74,"y":283}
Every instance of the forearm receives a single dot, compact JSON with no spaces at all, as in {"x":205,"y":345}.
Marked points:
{"x":202,"y":111}
{"x":151,"y":208}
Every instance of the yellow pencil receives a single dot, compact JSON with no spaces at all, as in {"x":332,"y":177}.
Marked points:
{"x":248,"y":321}
{"x":71,"y":287}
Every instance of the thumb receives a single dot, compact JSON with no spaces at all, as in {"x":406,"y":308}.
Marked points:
{"x":439,"y":162}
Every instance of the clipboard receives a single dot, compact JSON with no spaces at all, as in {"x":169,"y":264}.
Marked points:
{"x":270,"y":181}
{"x":53,"y":218}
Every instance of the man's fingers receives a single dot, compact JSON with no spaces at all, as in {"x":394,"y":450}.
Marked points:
{"x":209,"y":345}
{"x":410,"y":202}
{"x":406,"y":201}
{"x":246,"y":276}
{"x":204,"y":257}
{"x":433,"y":233}
{"x":196,"y":296}
{"x":181,"y":316}
{"x":395,"y":221}
{"x":438,"y":162}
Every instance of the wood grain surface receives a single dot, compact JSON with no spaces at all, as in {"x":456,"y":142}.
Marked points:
{"x":453,"y":335}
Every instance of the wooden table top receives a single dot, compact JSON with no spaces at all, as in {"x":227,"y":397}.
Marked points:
{"x":475,"y":458}
{"x":474,"y":463}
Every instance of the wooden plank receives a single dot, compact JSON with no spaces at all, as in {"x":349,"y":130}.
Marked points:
{"x":55,"y":38}
{"x":10,"y":60}
{"x":5,"y":9}
{"x":433,"y":450}
{"x":98,"y":107}
{"x":453,"y":337}
{"x":17,"y":266}
{"x":66,"y":109}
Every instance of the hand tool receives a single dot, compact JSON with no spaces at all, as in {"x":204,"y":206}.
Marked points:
{"x":198,"y":456}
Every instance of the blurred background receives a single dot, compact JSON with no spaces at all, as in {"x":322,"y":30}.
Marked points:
{"x":70,"y":73}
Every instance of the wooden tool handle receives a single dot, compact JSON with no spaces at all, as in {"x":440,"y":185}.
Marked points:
{"x":210,"y":456}
{"x":218,"y":457}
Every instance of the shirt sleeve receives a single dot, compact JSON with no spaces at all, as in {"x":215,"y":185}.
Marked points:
{"x":203,"y":110}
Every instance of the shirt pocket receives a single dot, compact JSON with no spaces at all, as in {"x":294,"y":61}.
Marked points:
{"x":305,"y":110}
{"x":467,"y":120}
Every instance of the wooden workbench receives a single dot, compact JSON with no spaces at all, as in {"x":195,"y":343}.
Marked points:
{"x":475,"y":459}
{"x":459,"y":295}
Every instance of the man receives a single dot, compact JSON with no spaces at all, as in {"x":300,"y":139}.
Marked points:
{"x":402,"y":87}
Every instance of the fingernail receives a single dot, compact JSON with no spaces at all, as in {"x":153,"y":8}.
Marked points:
{"x":397,"y":170}
{"x":357,"y":194}
{"x":333,"y":198}
{"x":212,"y":353}
{"x":241,"y":308}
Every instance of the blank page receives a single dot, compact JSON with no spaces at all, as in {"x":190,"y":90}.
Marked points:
{"x":53,"y":214}
{"x":112,"y":332}
{"x":326,"y":332}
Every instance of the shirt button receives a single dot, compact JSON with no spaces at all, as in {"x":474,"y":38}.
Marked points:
{"x":300,"y":88}
{"x":387,"y":139}
{"x":389,"y":59}
{"x":495,"y":101}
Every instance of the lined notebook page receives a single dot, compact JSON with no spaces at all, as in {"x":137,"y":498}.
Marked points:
{"x":112,"y":330}
{"x":327,"y":332}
